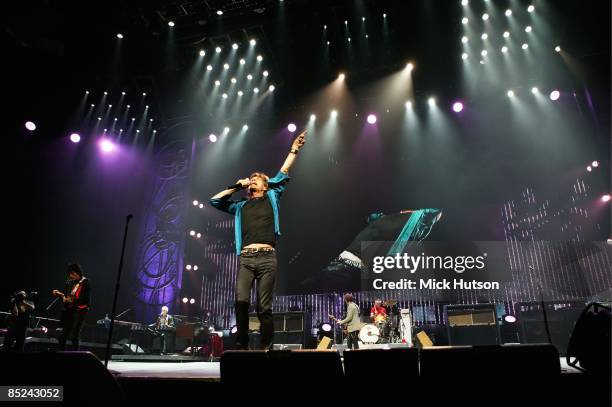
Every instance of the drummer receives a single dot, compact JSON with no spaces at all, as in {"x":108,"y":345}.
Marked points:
{"x":378,"y":313}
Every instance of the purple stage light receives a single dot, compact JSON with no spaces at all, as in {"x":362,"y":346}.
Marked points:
{"x":106,"y":146}
{"x":605,"y":198}
{"x":292,"y":127}
{"x":75,"y":138}
{"x":457,"y":107}
{"x":30,"y":126}
{"x":371,"y":118}
{"x":212,"y":138}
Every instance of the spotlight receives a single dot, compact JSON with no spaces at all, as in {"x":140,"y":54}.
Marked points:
{"x":510,"y":93}
{"x":528,"y":29}
{"x":259,"y":58}
{"x":457,"y":107}
{"x":409,"y":105}
{"x":362,"y":18}
{"x":328,"y":42}
{"x":249,"y":76}
{"x":245,"y":127}
{"x":595,"y":164}
{"x":525,"y":46}
{"x":605,"y":198}
{"x":30,"y":126}
{"x":341,"y":76}
{"x":226,"y":66}
{"x":534,"y":90}
{"x":292,"y":127}
{"x":226,"y":130}
{"x":234,"y":46}
{"x":171,"y":23}
{"x":508,"y":13}
{"x":504,"y":49}
{"x":192,"y":232}
{"x":484,"y":36}
{"x":185,"y":300}
{"x":224,"y":96}
{"x":218,"y":50}
{"x":192,"y":301}
{"x":484,"y":52}
{"x":334,"y":114}
{"x":92,"y":105}
{"x":554,"y":95}
{"x":87,"y":92}
{"x":144,"y":94}
{"x":217,"y":83}
{"x":106,"y":146}
{"x":313,"y":117}
{"x":485,"y":17}
{"x":195,"y":268}
{"x":202,"y":53}
{"x":266,"y":73}
{"x":349,"y":39}
{"x":255,"y":90}
{"x":510,"y":319}
{"x":464,"y":2}
{"x":198,"y":235}
{"x":345,"y":22}
{"x":128,"y":106}
{"x":75,"y":137}
{"x":271,"y":88}
{"x":252,"y":42}
{"x":188,"y":267}
{"x":213,"y":139}
{"x":464,"y":39}
{"x":371,"y":119}
{"x":99,"y":118}
{"x":325,"y":27}
{"x":119,"y":35}
{"x":589,"y":169}
{"x":431,"y":101}
{"x":122,"y":93}
{"x":233,"y":330}
{"x":105,"y":93}
{"x":219,"y":12}
{"x":506,"y":34}
{"x":242,"y":61}
{"x":385,"y":15}
{"x":196,"y":203}
{"x":531,"y":8}
{"x":201,"y":205}
{"x":464,"y":56}
{"x":464,"y":20}
{"x":409,"y":66}
{"x":240,"y":93}
{"x":233,"y":80}
{"x":558,"y":48}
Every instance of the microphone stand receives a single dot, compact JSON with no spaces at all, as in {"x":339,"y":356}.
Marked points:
{"x":112,"y":321}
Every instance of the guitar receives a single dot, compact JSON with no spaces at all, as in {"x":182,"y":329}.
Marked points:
{"x":344,"y":326}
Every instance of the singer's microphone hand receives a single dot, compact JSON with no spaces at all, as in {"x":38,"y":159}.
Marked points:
{"x":244,"y":182}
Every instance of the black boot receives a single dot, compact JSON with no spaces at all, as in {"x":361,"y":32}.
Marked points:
{"x":242,"y":323}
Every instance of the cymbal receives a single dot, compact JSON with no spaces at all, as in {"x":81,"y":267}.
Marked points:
{"x":390,"y":303}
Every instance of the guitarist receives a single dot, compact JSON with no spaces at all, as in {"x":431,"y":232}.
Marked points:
{"x":75,"y":298}
{"x":352,"y":321}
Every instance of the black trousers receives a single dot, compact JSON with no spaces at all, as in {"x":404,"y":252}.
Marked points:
{"x":15,"y":335}
{"x":72,"y":323}
{"x":260,"y":267}
{"x":352,"y":340}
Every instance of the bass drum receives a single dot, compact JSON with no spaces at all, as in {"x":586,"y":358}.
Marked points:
{"x":369,"y":334}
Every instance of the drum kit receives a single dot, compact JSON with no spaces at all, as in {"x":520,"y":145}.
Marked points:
{"x":385,"y":328}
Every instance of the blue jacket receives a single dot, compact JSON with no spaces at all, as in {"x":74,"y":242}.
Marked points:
{"x":276,"y":187}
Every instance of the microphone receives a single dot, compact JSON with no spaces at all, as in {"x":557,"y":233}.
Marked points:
{"x":235,"y":186}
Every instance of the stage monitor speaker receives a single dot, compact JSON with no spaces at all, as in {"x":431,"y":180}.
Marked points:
{"x":308,"y":368}
{"x":325,"y":343}
{"x":501,"y":362}
{"x":81,"y":374}
{"x":424,"y":339}
{"x":396,"y":367}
